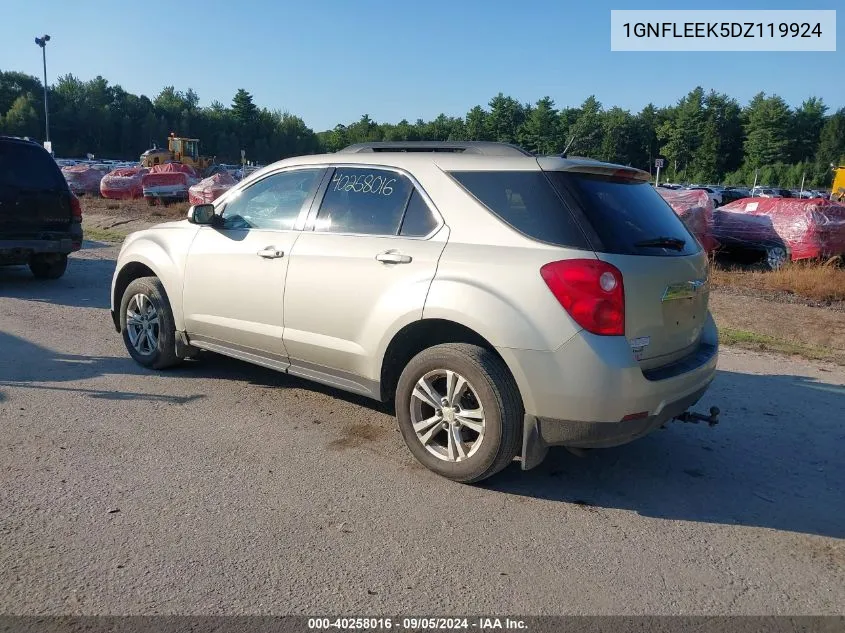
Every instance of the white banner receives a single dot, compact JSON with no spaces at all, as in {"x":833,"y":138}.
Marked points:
{"x":723,"y":30}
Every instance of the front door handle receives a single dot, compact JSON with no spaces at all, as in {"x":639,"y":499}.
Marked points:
{"x":393,"y":257}
{"x":271,"y":252}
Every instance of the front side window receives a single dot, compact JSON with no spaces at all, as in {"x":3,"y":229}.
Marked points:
{"x":273,"y":202}
{"x":364,"y":201}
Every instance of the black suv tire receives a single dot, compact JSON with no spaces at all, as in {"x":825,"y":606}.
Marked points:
{"x":496,"y":393}
{"x":48,"y":266}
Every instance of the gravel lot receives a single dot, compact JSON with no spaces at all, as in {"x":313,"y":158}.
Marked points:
{"x":220,"y":488}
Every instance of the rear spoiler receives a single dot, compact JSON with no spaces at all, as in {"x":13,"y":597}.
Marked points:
{"x":589,"y":166}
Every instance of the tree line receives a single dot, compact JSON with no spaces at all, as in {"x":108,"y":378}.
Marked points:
{"x":706,"y":137}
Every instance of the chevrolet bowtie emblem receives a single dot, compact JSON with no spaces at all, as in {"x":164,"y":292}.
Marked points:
{"x":683,"y":290}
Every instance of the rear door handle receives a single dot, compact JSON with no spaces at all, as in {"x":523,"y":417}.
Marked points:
{"x":393,"y":257}
{"x":271,"y":252}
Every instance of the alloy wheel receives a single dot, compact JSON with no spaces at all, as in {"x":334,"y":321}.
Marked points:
{"x":447,"y":415}
{"x":142,"y":324}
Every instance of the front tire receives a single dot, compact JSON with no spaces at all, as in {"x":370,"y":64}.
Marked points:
{"x":146,"y":321}
{"x":776,"y":257}
{"x":50,"y":266}
{"x":459,"y":411}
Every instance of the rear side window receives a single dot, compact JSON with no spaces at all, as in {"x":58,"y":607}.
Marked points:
{"x":364,"y":201}
{"x":26,"y":166}
{"x":628,"y":216}
{"x":527,"y":202}
{"x":418,"y":221}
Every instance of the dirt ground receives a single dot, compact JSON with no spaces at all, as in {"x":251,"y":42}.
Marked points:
{"x":821,"y":328}
{"x":222,"y":488}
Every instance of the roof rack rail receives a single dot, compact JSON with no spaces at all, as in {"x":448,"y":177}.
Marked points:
{"x":485,"y":148}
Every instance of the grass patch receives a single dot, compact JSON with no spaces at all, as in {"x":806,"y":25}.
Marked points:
{"x":817,"y":281}
{"x":103,"y":235}
{"x":766,"y":343}
{"x":134,"y":208}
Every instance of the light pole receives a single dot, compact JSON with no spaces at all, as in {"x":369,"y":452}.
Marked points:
{"x":42,"y":42}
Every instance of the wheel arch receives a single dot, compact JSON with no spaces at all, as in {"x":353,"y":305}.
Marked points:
{"x":154,"y":263}
{"x":421,"y":334}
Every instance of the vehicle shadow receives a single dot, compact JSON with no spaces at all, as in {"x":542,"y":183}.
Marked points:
{"x":23,"y":364}
{"x":218,"y":367}
{"x":85,"y":284}
{"x":776,"y":463}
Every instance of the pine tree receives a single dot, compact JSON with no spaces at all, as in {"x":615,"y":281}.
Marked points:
{"x":541,"y":131}
{"x":476,"y":124}
{"x":767,"y":131}
{"x":243,"y":109}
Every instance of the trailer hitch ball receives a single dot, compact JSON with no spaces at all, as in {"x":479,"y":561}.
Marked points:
{"x":695,"y":418}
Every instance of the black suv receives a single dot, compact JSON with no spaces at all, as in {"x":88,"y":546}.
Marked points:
{"x":40,"y":219}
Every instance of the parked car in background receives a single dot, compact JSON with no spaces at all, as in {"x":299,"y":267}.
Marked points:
{"x":450,"y":279}
{"x":40,"y":218}
{"x":730,"y":194}
{"x":770,"y":192}
{"x":782,"y":230}
{"x":743,"y":192}
{"x":714,"y":194}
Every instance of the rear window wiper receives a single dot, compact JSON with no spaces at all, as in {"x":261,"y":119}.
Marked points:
{"x":674,"y":243}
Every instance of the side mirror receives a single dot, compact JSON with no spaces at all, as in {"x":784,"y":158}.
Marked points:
{"x":201,"y":214}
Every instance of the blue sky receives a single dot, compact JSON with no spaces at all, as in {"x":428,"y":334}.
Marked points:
{"x":332,"y":61}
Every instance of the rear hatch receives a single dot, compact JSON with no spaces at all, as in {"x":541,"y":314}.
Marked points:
{"x":664,"y":268}
{"x":34,"y":197}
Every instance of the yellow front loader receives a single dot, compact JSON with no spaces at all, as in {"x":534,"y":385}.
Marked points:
{"x":180,"y":150}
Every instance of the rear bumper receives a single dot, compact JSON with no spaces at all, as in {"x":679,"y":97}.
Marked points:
{"x":17,"y":249}
{"x":579,"y":395}
{"x":538,"y":435}
{"x":167,"y":192}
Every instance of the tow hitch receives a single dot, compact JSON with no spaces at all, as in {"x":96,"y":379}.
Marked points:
{"x":695,"y":418}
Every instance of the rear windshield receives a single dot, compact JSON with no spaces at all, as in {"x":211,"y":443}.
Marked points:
{"x":527,"y":202}
{"x":25,"y":166}
{"x":583,"y":211}
{"x":628,"y":216}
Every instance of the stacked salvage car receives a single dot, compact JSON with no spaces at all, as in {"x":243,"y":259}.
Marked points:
{"x":695,"y":208}
{"x":211,"y":188}
{"x":168,"y":183}
{"x":123,"y":183}
{"x":84,"y":179}
{"x":782,"y":229}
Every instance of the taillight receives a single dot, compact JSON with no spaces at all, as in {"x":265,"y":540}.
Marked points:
{"x":591,"y":291}
{"x":75,"y":208}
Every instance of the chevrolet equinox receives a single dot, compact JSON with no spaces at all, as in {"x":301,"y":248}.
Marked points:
{"x":504,"y":302}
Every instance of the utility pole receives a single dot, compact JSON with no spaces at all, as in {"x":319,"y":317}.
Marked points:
{"x":42,"y":42}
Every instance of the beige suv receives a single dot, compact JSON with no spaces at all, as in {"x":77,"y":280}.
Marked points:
{"x":505,"y":302}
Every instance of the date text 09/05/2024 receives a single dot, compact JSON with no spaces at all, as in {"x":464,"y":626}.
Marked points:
{"x":722,"y":29}
{"x":414,"y":623}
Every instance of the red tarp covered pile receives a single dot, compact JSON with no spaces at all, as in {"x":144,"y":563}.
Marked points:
{"x":807,"y":228}
{"x":695,"y":208}
{"x":123,"y":183}
{"x":211,"y":188}
{"x":83,"y":179}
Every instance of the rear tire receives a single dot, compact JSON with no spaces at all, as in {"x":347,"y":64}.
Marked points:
{"x":478,"y":432}
{"x":146,"y":322}
{"x":48,"y":265}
